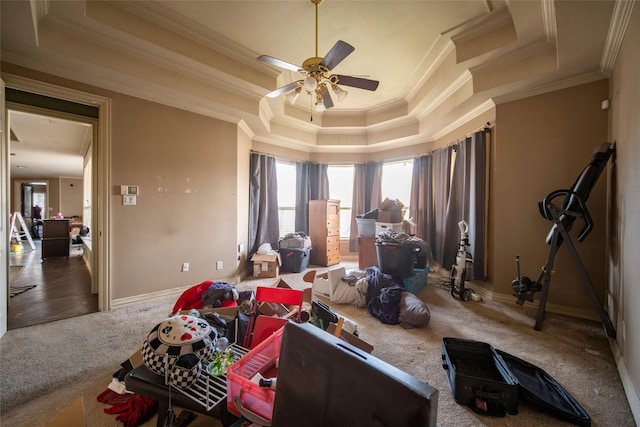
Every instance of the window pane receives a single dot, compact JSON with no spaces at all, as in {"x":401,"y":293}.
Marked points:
{"x":286,"y":175}
{"x":341,"y":188}
{"x":396,"y":181}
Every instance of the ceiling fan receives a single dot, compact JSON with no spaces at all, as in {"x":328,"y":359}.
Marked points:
{"x":318,"y":77}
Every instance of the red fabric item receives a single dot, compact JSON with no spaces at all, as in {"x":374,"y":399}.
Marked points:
{"x":192,"y":297}
{"x":110,"y":397}
{"x":135,"y":411}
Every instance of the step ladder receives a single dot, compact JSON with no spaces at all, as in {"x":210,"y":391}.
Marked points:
{"x":23,"y":232}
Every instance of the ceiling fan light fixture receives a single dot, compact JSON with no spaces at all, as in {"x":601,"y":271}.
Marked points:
{"x":310,"y":84}
{"x":293,"y":95}
{"x":340,"y":93}
{"x":318,"y":74}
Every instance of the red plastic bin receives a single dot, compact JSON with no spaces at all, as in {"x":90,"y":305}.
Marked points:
{"x":245,"y":395}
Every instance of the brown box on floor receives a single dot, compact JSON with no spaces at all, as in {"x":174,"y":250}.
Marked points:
{"x":266,"y":265}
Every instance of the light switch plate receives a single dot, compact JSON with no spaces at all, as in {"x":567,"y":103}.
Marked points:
{"x":129,"y":200}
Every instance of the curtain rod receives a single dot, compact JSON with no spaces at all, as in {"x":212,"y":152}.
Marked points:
{"x":283,"y":159}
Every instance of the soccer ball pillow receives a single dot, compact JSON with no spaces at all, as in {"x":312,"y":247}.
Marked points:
{"x":178,"y":347}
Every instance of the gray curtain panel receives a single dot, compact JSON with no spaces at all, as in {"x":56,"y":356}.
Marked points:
{"x":263,"y":202}
{"x":367,"y":195}
{"x":467,"y":202}
{"x":312,"y":184}
{"x":441,"y":186}
{"x":421,"y":207}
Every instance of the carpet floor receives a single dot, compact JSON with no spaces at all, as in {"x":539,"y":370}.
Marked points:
{"x":47,"y":367}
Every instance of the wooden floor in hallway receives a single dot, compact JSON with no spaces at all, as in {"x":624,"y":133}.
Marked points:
{"x":63,"y":287}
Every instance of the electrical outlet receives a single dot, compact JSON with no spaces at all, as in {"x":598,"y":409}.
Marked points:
{"x":218,"y":265}
{"x":185,"y":267}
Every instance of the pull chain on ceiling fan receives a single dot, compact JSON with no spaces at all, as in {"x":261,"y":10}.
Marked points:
{"x":318,"y":77}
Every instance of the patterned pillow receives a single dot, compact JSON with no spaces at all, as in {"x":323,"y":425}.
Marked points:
{"x":174,"y":339}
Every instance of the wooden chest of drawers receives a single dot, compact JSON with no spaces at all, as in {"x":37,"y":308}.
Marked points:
{"x":367,"y":253}
{"x":324,"y":231}
{"x":56,"y":240}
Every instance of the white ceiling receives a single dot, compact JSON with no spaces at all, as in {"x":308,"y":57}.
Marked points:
{"x":46,"y":147}
{"x":439,"y":63}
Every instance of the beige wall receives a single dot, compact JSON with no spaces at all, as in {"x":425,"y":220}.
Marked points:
{"x":242,"y":190}
{"x":61,"y":195}
{"x":624,"y":218}
{"x":541,"y":144}
{"x":186,"y":167}
{"x":71,"y":196}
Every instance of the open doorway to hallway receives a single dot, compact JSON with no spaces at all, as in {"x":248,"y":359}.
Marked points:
{"x":50,"y":157}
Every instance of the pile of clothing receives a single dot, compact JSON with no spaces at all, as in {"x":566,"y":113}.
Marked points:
{"x":383,"y":296}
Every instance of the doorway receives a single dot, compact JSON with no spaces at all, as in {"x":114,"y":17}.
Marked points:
{"x":48,"y":156}
{"x":65,"y":99}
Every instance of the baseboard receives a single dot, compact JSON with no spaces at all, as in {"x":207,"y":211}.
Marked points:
{"x":120,"y":302}
{"x":167,"y":292}
{"x":627,"y":384}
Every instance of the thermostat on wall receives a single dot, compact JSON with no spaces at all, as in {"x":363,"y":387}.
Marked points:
{"x":129,"y":190}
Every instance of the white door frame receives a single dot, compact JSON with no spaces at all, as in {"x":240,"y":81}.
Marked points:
{"x":4,"y":213}
{"x":101,"y":182}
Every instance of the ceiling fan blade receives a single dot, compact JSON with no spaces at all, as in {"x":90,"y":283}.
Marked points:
{"x":278,"y":63}
{"x":326,"y":98}
{"x":338,"y":52}
{"x":357,"y":82}
{"x":284,"y":89}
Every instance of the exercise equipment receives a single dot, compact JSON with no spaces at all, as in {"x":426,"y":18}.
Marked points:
{"x":459,"y":269}
{"x":573,"y":207}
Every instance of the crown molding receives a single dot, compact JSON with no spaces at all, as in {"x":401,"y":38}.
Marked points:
{"x":617,"y":28}
{"x":549,"y":21}
{"x":39,"y":9}
{"x":470,"y":115}
{"x":547,"y":87}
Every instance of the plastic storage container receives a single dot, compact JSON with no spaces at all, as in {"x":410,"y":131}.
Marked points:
{"x":381,"y":227}
{"x":366,"y":227}
{"x":416,"y":281}
{"x":294,"y":260}
{"x":396,"y":259}
{"x":242,"y":386}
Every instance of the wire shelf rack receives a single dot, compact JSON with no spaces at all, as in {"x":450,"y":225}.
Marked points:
{"x":209,"y":390}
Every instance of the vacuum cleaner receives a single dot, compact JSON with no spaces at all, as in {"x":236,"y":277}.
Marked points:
{"x":459,"y":269}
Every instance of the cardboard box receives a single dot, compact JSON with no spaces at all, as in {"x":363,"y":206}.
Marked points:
{"x":351,"y":339}
{"x":389,"y":216}
{"x":71,"y":416}
{"x":325,"y":283}
{"x":267,"y":265}
{"x":390,"y":205}
{"x":222,"y":311}
{"x":409,"y":226}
